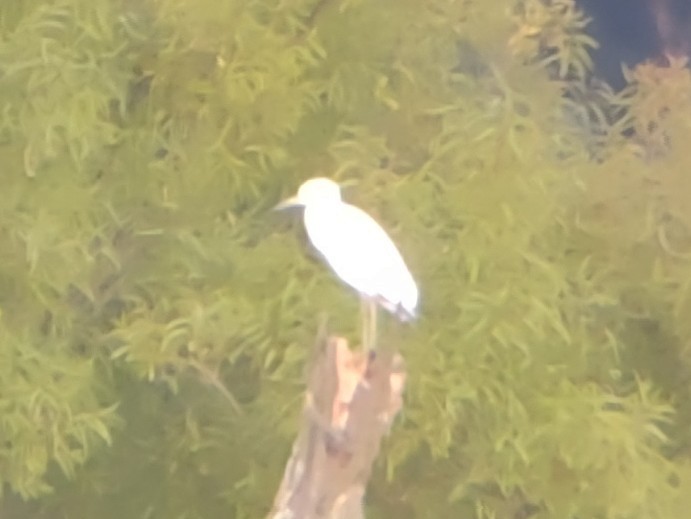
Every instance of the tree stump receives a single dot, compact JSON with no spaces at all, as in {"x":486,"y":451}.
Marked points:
{"x":352,"y":399}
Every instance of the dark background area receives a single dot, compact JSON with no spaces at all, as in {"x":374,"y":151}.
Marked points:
{"x":633,"y":31}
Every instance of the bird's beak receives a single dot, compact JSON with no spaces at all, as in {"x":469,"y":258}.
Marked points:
{"x":287,"y":203}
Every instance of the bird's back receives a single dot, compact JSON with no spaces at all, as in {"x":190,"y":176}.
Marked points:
{"x":362,"y":254}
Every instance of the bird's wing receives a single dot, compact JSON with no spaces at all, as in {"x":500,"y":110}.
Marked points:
{"x":360,"y":252}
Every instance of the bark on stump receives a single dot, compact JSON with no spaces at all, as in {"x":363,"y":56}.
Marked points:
{"x":352,"y":399}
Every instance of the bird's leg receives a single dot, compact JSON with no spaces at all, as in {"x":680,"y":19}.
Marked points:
{"x":364,"y":325}
{"x":372,"y":324}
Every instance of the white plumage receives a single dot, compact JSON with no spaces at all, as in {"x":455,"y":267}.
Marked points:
{"x":356,"y":247}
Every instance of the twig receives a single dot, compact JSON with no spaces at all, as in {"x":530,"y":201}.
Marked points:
{"x":212,"y":378}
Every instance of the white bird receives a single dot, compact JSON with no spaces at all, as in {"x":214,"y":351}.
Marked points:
{"x":358,"y":250}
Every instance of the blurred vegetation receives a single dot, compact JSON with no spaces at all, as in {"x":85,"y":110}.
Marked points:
{"x":156,"y":317}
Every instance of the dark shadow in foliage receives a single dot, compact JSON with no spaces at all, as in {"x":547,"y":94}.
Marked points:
{"x":626,"y":32}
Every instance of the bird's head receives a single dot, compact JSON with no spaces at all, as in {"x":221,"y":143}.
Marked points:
{"x":315,"y":191}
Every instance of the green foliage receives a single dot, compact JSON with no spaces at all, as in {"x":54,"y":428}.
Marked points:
{"x":156,"y":317}
{"x":49,"y":411}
